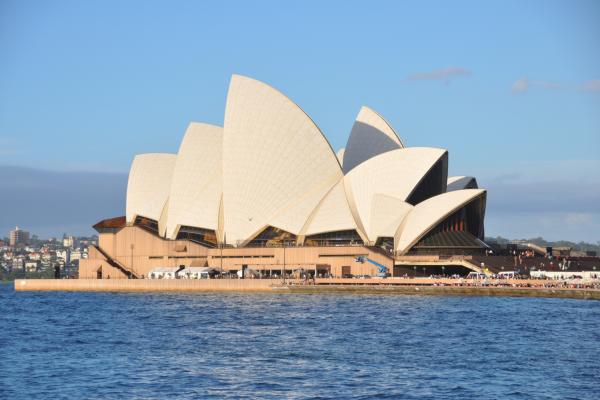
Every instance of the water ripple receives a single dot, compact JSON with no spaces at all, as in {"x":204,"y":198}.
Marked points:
{"x":190,"y":346}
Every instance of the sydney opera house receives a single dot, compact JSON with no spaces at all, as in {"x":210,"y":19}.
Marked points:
{"x":266,"y":192}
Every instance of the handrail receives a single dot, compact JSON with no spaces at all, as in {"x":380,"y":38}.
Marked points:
{"x":128,"y":272}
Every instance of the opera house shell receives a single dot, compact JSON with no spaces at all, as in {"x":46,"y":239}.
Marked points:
{"x":270,"y":170}
{"x":269,"y":177}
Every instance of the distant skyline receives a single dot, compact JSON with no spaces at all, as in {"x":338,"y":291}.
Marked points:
{"x":511,"y":89}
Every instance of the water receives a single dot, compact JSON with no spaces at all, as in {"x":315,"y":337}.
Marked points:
{"x":189,"y":346}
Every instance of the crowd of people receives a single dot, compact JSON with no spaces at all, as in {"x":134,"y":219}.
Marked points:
{"x":549,"y":284}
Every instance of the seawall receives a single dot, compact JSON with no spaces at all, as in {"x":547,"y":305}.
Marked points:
{"x":145,"y":285}
{"x":582,"y":294}
{"x":398,"y":287}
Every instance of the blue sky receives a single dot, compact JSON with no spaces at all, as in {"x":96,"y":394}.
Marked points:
{"x":510,"y":88}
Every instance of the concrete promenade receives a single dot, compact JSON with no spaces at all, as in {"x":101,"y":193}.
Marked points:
{"x":418,"y":286}
{"x":146,"y":285}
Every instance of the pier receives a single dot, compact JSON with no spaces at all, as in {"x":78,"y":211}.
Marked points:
{"x":417,"y":286}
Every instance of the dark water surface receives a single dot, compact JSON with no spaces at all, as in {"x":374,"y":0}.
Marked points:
{"x":116,"y":346}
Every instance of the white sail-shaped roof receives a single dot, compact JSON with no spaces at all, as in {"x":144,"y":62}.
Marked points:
{"x":340,"y":156}
{"x":386,"y":214}
{"x":371,"y":135}
{"x":270,"y":165}
{"x":395,"y":173}
{"x":461,"y":182}
{"x":197,"y":180}
{"x":428,"y":214}
{"x":149,"y":185}
{"x":162,"y":220}
{"x":332,"y":213}
{"x":277,"y":165}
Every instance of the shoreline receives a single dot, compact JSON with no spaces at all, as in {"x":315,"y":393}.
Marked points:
{"x":482,"y":291}
{"x":386,"y":287}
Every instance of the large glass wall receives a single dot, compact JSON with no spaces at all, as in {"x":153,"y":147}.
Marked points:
{"x":432,"y":184}
{"x":147,"y":223}
{"x":205,"y":237}
{"x":273,"y":237}
{"x":337,"y":238}
{"x":460,"y":233}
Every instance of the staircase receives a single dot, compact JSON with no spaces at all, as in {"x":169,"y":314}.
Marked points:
{"x":114,"y":263}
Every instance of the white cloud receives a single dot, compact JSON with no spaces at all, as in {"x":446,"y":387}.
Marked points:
{"x":555,"y":200}
{"x":576,"y":218}
{"x":549,"y":225}
{"x":72,"y":201}
{"x":591,"y":86}
{"x":524,"y":84}
{"x":521,"y":85}
{"x":444,"y":74}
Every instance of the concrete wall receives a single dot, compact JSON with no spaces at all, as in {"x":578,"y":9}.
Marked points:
{"x":142,"y":251}
{"x":299,"y":257}
{"x":401,"y":286}
{"x":145,"y":285}
{"x":88,"y":268}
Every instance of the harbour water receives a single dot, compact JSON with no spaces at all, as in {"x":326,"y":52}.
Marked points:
{"x":189,"y":346}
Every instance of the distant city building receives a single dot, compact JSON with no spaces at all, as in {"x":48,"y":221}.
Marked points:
{"x":31,"y":266}
{"x":70,"y":242}
{"x":18,"y":263}
{"x":76,"y":255}
{"x":18,"y":236}
{"x":64,"y":255}
{"x":49,"y":259}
